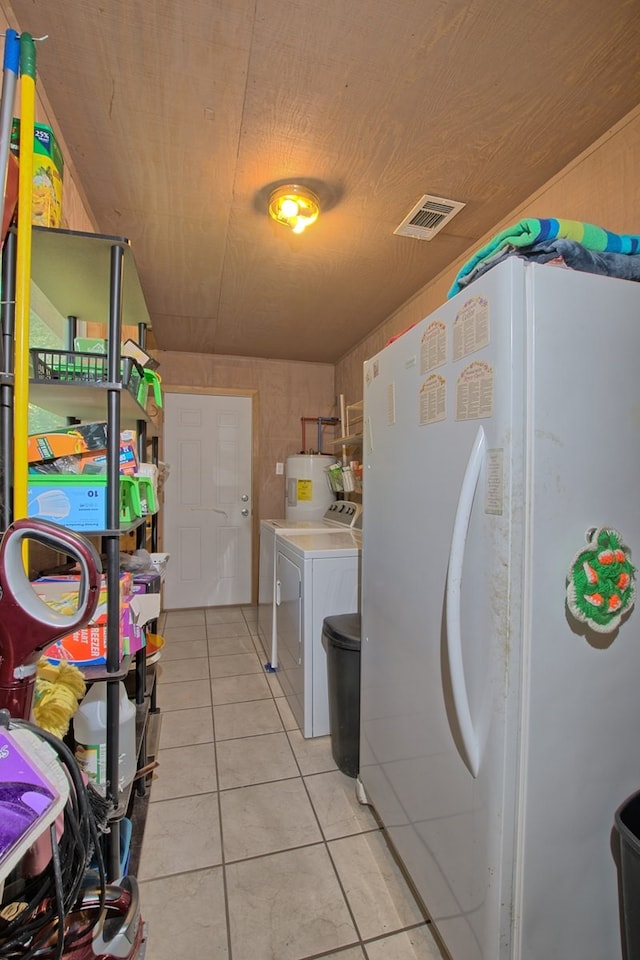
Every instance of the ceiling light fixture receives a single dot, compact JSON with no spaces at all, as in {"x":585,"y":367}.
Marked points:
{"x":294,"y":206}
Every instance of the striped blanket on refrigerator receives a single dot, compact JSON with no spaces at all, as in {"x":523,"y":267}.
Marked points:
{"x":536,"y":232}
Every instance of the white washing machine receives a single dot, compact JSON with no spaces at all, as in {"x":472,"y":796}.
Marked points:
{"x":317,"y":575}
{"x":340,"y":514}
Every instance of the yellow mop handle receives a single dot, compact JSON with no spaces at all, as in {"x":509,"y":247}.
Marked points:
{"x":23,"y":275}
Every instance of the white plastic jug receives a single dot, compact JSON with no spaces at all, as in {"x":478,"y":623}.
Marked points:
{"x":90,"y":731}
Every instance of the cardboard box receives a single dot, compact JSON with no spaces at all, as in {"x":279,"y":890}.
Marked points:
{"x":78,"y":438}
{"x":89,"y":645}
{"x":144,"y":606}
{"x":79,"y":501}
{"x":60,"y":593}
{"x":132,"y":635}
{"x":48,"y":171}
{"x":97,"y":462}
{"x":147,"y":582}
{"x":140,"y":610}
{"x":90,"y":462}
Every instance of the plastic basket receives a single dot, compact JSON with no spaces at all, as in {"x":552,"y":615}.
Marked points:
{"x":146,"y":495}
{"x":151,"y":384}
{"x":72,"y":366}
{"x":130,"y":507}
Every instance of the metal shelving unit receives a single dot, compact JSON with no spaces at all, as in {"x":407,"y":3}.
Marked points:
{"x":352,"y":426}
{"x":94,"y":278}
{"x":352,"y":429}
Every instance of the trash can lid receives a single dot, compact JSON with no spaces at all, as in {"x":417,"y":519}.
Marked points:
{"x":343,"y":630}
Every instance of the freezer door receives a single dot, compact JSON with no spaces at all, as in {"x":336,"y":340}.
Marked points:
{"x":581,"y":753}
{"x":437,"y":628}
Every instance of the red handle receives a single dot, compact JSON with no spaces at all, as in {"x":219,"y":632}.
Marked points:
{"x":27,"y":623}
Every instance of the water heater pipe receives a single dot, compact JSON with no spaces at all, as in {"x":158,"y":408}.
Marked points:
{"x":321,"y":421}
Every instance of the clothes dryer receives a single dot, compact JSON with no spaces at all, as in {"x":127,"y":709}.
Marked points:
{"x":317,"y":575}
{"x":339,"y":515}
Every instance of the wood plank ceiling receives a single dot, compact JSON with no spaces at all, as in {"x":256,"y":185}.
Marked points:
{"x":179,"y":113}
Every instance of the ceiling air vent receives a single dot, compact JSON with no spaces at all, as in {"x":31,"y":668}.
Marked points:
{"x":428,"y":217}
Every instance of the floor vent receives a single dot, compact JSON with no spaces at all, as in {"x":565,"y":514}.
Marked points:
{"x":428,"y":217}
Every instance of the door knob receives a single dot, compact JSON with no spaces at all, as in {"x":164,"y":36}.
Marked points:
{"x":244,"y":512}
{"x":244,"y":497}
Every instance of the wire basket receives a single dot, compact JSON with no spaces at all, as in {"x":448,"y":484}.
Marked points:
{"x":69,"y":366}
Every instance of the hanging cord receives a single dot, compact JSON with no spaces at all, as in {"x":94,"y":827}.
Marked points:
{"x":37,"y":929}
{"x":59,"y":888}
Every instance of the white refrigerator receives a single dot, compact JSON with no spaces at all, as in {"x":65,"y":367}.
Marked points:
{"x":500,"y":706}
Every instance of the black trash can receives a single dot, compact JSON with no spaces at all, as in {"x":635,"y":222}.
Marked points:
{"x":628,"y":824}
{"x":341,"y":640}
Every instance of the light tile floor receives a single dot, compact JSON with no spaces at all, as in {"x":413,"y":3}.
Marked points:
{"x":255,"y":846}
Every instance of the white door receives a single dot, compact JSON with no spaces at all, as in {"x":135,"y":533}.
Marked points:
{"x":207,"y":506}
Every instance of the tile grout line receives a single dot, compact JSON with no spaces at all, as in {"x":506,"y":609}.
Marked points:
{"x":223,"y":867}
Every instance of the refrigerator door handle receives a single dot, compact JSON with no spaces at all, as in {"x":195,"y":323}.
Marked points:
{"x":454,"y":587}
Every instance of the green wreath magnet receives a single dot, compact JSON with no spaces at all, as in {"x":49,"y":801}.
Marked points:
{"x":601,"y":582}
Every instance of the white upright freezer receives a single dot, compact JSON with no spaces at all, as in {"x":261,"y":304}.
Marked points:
{"x":500,"y":710}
